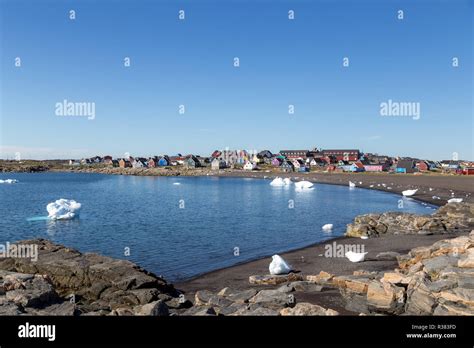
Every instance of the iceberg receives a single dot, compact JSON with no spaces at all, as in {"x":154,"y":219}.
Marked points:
{"x":327,"y":227}
{"x":63,"y":209}
{"x":8,"y":181}
{"x":280,"y":182}
{"x":278,"y":266}
{"x":304,"y":185}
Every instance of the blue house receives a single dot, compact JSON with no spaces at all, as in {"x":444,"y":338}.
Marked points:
{"x":164,"y":161}
{"x":303,"y":169}
{"x":357,"y":167}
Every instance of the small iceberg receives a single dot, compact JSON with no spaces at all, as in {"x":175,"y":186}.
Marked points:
{"x":355,"y":257}
{"x":63,"y":209}
{"x":408,"y":193}
{"x":327,"y":227}
{"x":455,"y":200}
{"x":8,"y":181}
{"x":278,"y":266}
{"x":280,"y":182}
{"x":304,"y":185}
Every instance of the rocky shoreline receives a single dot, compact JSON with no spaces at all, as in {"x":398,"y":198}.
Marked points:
{"x":436,"y":279}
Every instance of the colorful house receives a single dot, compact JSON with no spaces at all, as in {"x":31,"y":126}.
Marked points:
{"x":468,"y":171}
{"x":250,"y":166}
{"x":374,"y":167}
{"x":406,"y":166}
{"x":164,"y":161}
{"x":357,"y":167}
{"x":217,"y":164}
{"x":422,"y":166}
{"x":125,"y":163}
{"x":277,"y":161}
{"x":297,"y":163}
{"x":191,"y":162}
{"x":151,"y":163}
{"x":287,"y":166}
{"x":293,"y":154}
{"x":344,"y":155}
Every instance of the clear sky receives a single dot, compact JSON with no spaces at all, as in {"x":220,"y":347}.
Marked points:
{"x":190,"y":62}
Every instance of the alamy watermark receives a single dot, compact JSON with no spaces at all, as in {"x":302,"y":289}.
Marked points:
{"x":339,"y":250}
{"x":19,"y":251}
{"x":80,"y":109}
{"x":400,"y":109}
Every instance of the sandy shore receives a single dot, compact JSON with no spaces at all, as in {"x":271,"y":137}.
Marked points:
{"x":310,"y":261}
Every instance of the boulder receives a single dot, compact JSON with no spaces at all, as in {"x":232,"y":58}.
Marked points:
{"x":307,"y":309}
{"x":387,"y":256}
{"x":156,"y":308}
{"x":385,"y":297}
{"x":273,"y":298}
{"x":274,"y":279}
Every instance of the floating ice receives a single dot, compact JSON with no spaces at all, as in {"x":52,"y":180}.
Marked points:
{"x":8,"y":181}
{"x":327,"y":227}
{"x":63,"y":209}
{"x":278,"y":266}
{"x":304,"y":185}
{"x":280,"y":182}
{"x":176,"y":183}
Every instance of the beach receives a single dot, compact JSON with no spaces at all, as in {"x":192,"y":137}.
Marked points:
{"x":311,"y":261}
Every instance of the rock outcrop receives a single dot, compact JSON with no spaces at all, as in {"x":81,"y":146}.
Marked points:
{"x":267,"y":302}
{"x":64,"y":281}
{"x":433,"y":280}
{"x":450,"y":217}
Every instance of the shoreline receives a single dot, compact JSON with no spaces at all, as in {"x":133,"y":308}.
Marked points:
{"x":310,"y":260}
{"x":434,"y":189}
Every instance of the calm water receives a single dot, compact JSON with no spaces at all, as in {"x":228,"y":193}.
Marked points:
{"x":219,"y":214}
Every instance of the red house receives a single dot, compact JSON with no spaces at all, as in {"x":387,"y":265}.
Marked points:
{"x":468,"y":171}
{"x":343,"y":155}
{"x":422,"y":166}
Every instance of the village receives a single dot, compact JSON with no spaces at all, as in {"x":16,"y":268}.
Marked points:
{"x":316,"y":160}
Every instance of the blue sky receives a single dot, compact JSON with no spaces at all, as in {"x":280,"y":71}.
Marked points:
{"x":190,"y":62}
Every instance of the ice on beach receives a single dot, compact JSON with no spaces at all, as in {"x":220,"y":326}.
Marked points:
{"x":355,"y":257}
{"x":63,"y":209}
{"x":351,"y":184}
{"x":408,"y":193}
{"x":278,"y":266}
{"x":455,"y":200}
{"x":327,"y":227}
{"x":280,"y":182}
{"x":364,"y":237}
{"x":8,"y":181}
{"x":304,"y":185}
